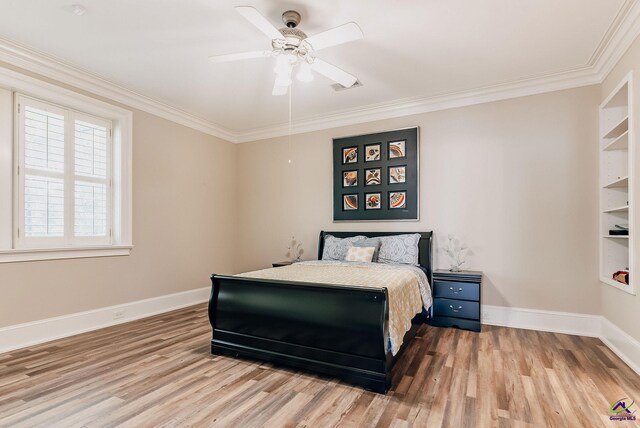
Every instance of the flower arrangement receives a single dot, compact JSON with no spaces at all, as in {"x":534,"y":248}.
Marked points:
{"x":457,"y":251}
{"x":295,"y":250}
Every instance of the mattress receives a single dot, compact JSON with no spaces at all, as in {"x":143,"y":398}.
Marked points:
{"x":407,"y":287}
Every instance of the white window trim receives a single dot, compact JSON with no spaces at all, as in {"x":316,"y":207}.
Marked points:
{"x":122,"y":130}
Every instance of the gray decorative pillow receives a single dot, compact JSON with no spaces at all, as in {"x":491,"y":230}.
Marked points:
{"x":370,"y":242}
{"x":399,"y":249}
{"x":336,"y":248}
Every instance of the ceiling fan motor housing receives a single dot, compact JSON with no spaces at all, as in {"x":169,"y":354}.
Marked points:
{"x":293,"y":38}
{"x":291,"y":18}
{"x":293,"y":35}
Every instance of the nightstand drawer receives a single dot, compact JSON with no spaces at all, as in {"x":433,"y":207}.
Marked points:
{"x":472,"y":325}
{"x":456,"y":308}
{"x":456,"y":290}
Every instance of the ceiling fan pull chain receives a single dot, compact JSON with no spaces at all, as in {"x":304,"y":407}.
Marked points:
{"x":290,"y":91}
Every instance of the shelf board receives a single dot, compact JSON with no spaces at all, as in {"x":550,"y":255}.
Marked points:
{"x":624,"y":287}
{"x":620,"y":143}
{"x":619,"y":129}
{"x":620,"y":182}
{"x":623,"y":209}
{"x":616,"y":236}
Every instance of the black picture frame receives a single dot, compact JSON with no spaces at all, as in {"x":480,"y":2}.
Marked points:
{"x":368,"y":205}
{"x":372,"y":158}
{"x":350,"y":202}
{"x":345,"y":160}
{"x":390,"y":175}
{"x":344,"y":178}
{"x":370,"y":180}
{"x":405,"y":154}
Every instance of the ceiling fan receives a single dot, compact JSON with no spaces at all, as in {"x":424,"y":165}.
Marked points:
{"x":292,"y":48}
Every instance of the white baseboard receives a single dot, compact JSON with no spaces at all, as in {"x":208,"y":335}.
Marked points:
{"x":541,"y":320}
{"x":623,"y":345}
{"x":33,"y":333}
{"x":620,"y":343}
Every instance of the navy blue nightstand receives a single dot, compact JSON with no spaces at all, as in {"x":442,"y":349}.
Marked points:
{"x":456,"y":299}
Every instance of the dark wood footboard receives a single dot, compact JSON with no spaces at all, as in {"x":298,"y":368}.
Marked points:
{"x":336,"y":330}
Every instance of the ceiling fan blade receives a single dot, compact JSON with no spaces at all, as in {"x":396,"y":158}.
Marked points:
{"x":334,"y":73}
{"x":259,"y":21}
{"x":336,"y":36}
{"x":239,"y":56}
{"x":279,"y":90}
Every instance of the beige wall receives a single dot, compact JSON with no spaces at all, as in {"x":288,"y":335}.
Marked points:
{"x":617,"y":306}
{"x":516,"y":180}
{"x":183,"y":230}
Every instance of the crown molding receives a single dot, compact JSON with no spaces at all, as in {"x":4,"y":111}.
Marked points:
{"x":622,"y":32}
{"x":52,"y":68}
{"x":412,"y":106}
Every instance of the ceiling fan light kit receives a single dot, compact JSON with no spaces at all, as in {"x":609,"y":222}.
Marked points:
{"x":293,"y":48}
{"x":304,"y":73}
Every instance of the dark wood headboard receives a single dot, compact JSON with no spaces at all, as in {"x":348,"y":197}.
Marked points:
{"x":425,"y":250}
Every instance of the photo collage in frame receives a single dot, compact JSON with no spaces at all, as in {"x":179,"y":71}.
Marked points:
{"x":376,"y":176}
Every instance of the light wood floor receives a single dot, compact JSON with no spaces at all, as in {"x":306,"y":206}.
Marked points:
{"x":159,"y":372}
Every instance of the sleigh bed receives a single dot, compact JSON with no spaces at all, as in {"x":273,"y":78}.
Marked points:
{"x":337,"y":330}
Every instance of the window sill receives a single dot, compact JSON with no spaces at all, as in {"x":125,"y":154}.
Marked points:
{"x":26,"y":255}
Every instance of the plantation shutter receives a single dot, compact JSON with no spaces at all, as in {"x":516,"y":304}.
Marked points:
{"x":65,"y":176}
{"x":91,"y":178}
{"x":44,"y":169}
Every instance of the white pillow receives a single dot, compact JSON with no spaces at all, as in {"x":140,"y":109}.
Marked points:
{"x":370,"y":242}
{"x":360,"y":254}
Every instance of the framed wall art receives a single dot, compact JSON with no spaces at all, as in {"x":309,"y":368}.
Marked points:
{"x":375,"y":176}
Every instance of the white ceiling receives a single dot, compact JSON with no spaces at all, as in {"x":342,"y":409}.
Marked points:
{"x":411,"y":49}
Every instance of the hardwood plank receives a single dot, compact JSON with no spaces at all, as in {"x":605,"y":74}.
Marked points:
{"x":281,"y":417}
{"x":159,"y":372}
{"x":517,"y":406}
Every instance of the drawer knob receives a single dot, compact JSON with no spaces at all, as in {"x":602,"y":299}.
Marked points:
{"x":454,"y":309}
{"x":454,"y":291}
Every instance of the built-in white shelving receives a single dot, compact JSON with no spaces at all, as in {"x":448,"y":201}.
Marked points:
{"x":618,"y":129}
{"x":622,"y":182}
{"x":617,"y":151}
{"x":623,"y":209}
{"x":620,"y":143}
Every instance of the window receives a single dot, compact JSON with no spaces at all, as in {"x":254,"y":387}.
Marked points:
{"x":65,"y":173}
{"x":64,"y":176}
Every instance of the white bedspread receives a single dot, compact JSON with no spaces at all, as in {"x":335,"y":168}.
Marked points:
{"x":407,"y":286}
